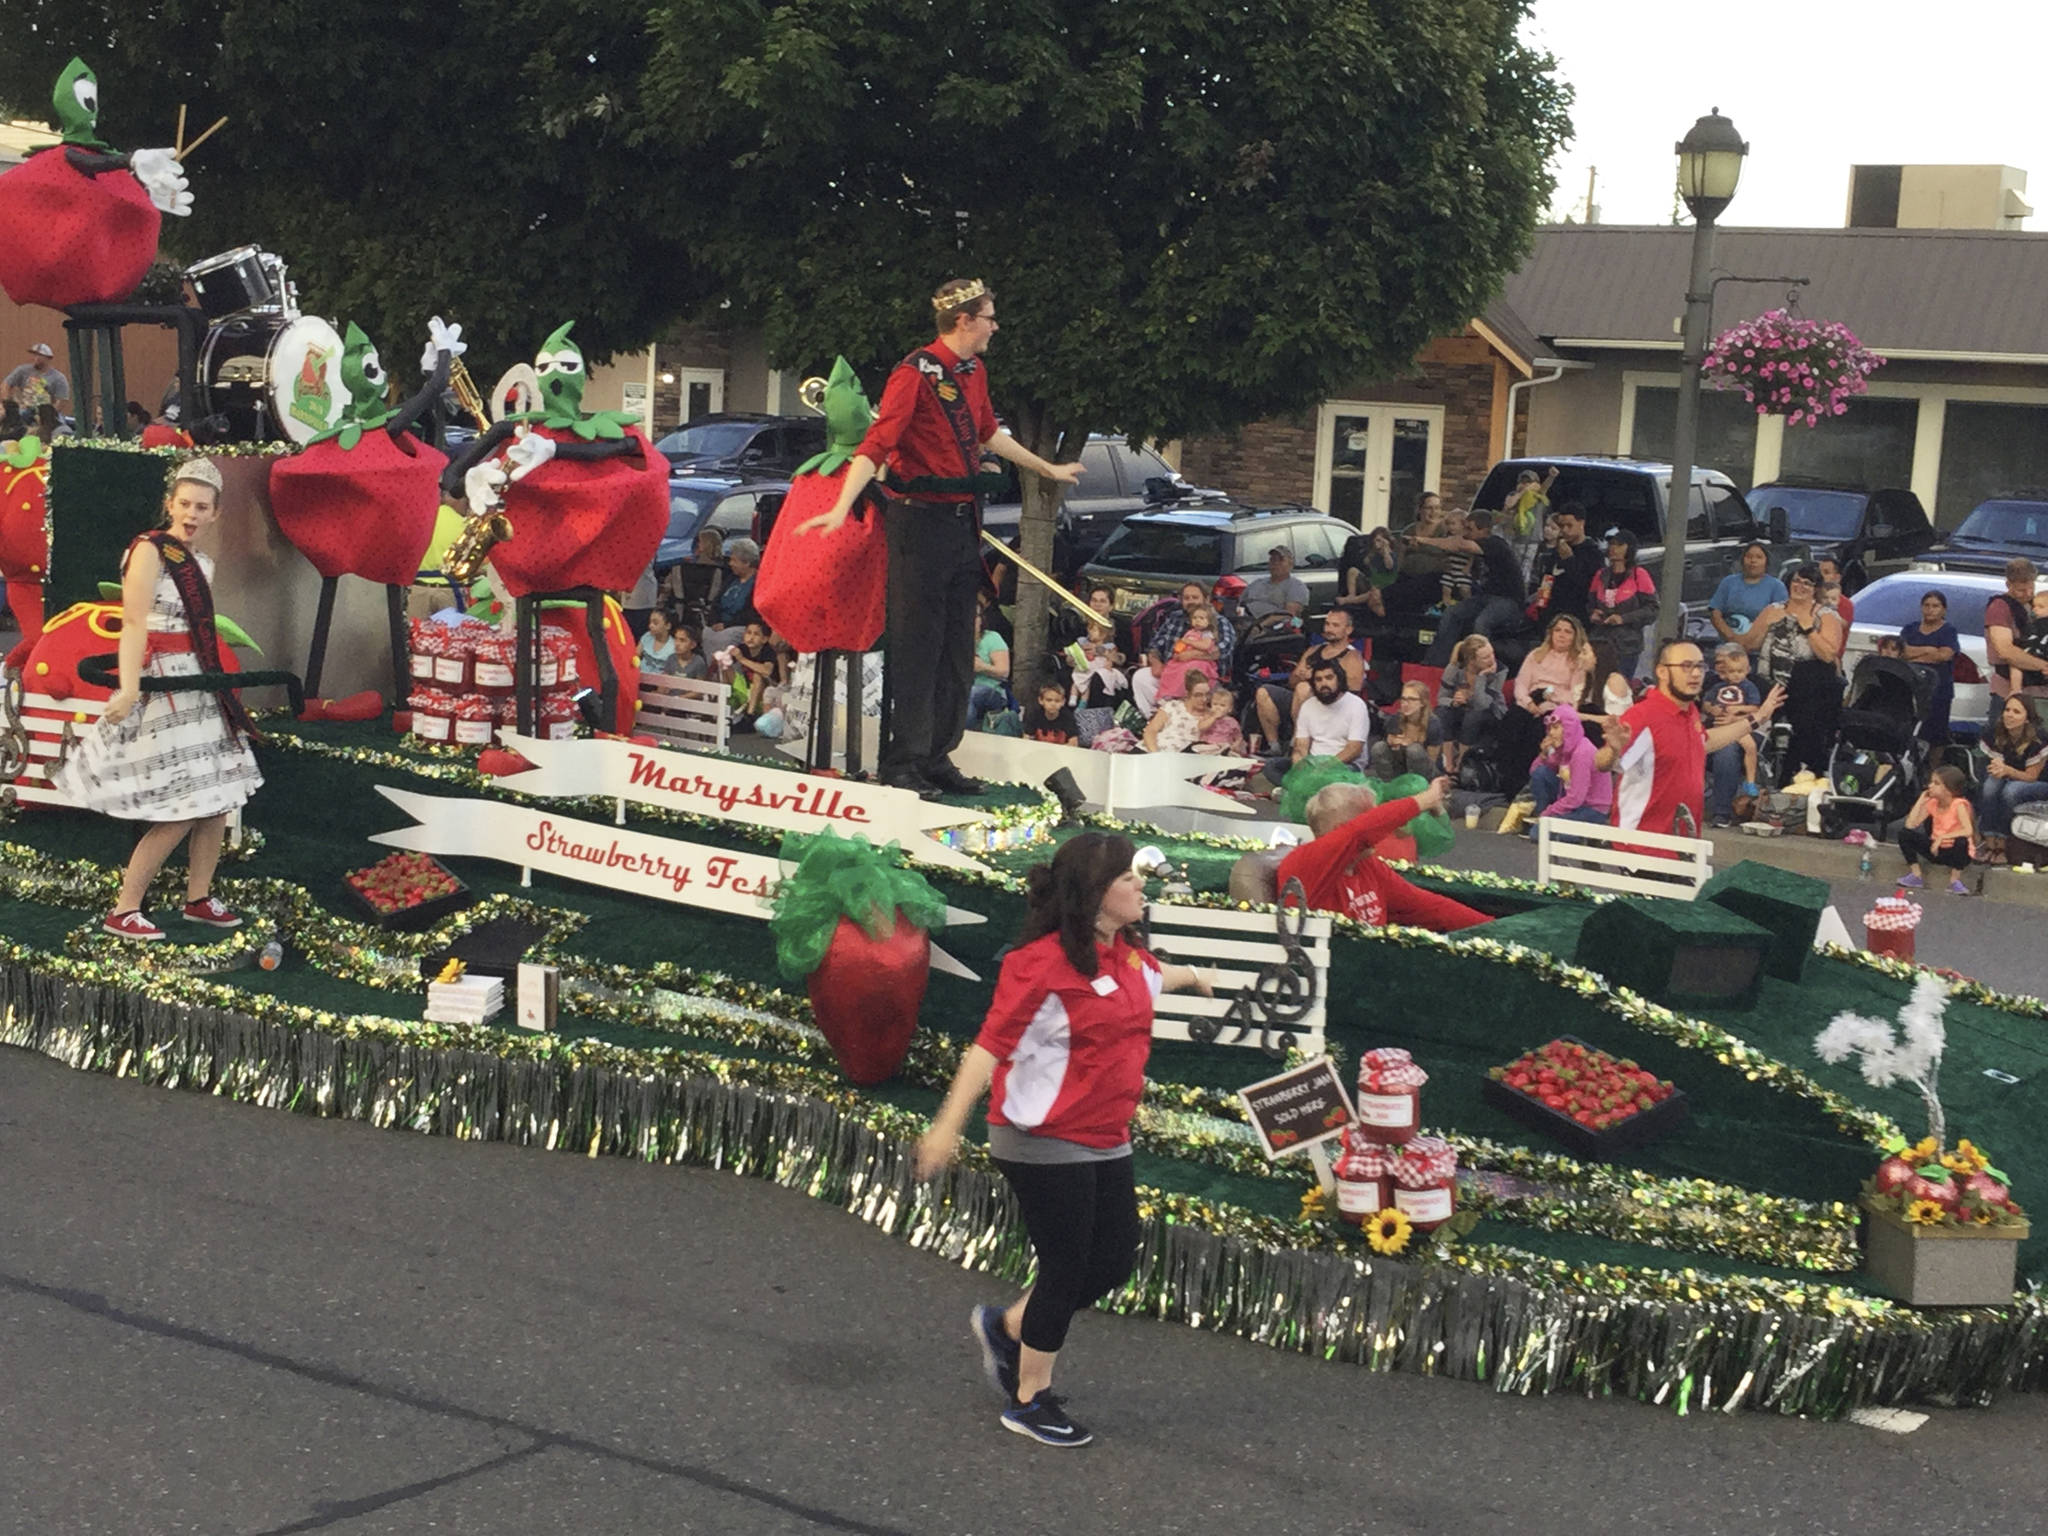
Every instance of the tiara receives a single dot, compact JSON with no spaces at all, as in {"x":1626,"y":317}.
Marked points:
{"x":961,"y":293}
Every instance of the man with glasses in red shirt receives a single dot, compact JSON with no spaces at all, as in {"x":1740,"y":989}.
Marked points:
{"x":931,"y":430}
{"x":1662,"y":746}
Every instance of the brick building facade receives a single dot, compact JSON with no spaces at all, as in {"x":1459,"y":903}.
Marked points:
{"x":1458,"y":394}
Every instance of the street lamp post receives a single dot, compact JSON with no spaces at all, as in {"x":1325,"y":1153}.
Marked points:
{"x":1709,"y":165}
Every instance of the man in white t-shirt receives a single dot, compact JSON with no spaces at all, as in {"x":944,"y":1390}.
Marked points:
{"x":1333,"y":722}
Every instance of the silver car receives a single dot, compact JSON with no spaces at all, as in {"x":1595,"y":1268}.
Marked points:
{"x":1890,"y":603}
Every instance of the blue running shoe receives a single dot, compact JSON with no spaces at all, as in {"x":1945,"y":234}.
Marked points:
{"x":998,"y":1350}
{"x":1045,"y":1420}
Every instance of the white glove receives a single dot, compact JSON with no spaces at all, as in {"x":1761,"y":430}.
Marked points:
{"x":441,"y":338}
{"x":163,"y":178}
{"x":484,"y":486}
{"x":528,"y":454}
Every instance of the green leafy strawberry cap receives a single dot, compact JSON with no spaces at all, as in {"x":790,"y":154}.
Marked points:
{"x":76,"y":103}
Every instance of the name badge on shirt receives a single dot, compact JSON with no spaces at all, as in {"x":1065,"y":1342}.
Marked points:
{"x":1104,"y":985}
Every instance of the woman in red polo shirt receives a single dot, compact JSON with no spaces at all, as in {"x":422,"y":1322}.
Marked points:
{"x":1064,"y":1047}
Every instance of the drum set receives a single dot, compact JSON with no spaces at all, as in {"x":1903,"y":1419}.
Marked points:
{"x":267,"y":371}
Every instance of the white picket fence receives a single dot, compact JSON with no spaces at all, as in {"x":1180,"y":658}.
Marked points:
{"x":1232,"y":946}
{"x":1609,"y":859}
{"x":685,"y":712}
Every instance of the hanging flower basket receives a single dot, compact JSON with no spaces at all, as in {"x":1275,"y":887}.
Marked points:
{"x":1786,"y":365}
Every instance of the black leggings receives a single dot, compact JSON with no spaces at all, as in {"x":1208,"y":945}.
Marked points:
{"x":1917,"y":843}
{"x":1083,"y":1220}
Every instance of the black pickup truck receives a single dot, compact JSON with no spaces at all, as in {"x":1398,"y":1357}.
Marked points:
{"x":1634,"y":494}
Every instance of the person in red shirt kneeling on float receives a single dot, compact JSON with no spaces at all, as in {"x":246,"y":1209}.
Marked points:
{"x":1063,"y":1048}
{"x":1341,"y":870}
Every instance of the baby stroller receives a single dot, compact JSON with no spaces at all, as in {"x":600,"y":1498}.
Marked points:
{"x":1879,"y":762}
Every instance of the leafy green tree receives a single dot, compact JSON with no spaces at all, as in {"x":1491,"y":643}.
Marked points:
{"x":1193,"y":214}
{"x":471,"y":158}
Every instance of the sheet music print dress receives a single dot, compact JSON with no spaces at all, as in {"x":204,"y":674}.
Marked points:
{"x":173,"y":758}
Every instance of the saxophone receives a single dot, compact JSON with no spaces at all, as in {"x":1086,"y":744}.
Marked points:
{"x":480,"y":532}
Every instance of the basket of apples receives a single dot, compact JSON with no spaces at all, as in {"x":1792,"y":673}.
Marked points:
{"x":1592,"y":1102}
{"x":407,"y":891}
{"x":1924,"y":1197}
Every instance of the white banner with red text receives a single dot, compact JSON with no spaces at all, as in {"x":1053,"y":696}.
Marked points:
{"x":735,"y":789}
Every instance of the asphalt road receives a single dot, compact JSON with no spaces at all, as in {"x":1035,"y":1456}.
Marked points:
{"x":222,"y":1319}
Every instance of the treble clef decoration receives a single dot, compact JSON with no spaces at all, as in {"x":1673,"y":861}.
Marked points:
{"x":1281,"y":994}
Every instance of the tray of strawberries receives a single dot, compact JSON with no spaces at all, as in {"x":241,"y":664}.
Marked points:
{"x":1592,"y":1102}
{"x":407,"y":891}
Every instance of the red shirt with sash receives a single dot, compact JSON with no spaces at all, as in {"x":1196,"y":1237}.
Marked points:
{"x":911,"y":436}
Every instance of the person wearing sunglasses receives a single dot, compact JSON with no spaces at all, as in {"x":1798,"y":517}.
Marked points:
{"x":1661,"y":746}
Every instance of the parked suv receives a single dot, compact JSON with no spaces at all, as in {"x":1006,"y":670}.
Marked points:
{"x":743,"y":442}
{"x":1992,"y":534}
{"x":1153,"y":553}
{"x":1633,"y":494}
{"x":737,"y":508}
{"x":1118,"y":478}
{"x":1870,"y":533}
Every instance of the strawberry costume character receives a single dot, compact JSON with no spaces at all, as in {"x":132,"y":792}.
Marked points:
{"x":361,"y":498}
{"x":587,"y":498}
{"x":78,"y":220}
{"x":827,"y":591}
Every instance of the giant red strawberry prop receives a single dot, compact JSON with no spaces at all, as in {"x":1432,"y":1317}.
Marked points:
{"x":586,"y":493}
{"x":584,"y":522}
{"x":852,"y":921}
{"x":25,"y":531}
{"x":364,"y":495}
{"x":826,"y":591}
{"x":620,"y":650}
{"x":364,"y":511}
{"x":78,"y":222}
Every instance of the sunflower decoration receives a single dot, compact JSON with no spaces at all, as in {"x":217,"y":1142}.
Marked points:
{"x":1928,"y":1213}
{"x":1315,"y":1205}
{"x":1966,"y":1158}
{"x":1389,"y":1231}
{"x":1922,"y":1151}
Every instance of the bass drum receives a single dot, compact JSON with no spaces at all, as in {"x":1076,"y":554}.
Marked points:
{"x":269,"y":377}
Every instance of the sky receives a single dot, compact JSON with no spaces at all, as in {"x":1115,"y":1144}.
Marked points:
{"x":1814,"y":86}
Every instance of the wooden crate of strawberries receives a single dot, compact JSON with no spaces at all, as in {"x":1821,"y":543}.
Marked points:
{"x":1592,"y":1102}
{"x":407,"y":891}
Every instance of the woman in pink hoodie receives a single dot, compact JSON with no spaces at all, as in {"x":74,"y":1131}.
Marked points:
{"x":1564,"y":779}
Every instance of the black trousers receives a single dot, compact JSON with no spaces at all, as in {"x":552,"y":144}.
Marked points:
{"x":1813,"y":704}
{"x":1083,"y":1220}
{"x":934,"y":573}
{"x":1917,"y":844}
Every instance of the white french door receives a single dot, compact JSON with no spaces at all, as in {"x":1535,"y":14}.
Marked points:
{"x":1373,"y":459}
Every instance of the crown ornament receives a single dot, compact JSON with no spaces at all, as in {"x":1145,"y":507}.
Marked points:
{"x":959,"y":294}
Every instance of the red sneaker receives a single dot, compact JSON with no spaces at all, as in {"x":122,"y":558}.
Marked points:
{"x":131,"y":925}
{"x":210,"y":912}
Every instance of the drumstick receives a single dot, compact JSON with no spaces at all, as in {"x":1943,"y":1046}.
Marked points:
{"x":220,"y":124}
{"x":179,"y":140}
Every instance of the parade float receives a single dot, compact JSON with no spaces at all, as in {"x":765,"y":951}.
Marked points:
{"x":1622,"y":1146}
{"x":1705,"y":1259}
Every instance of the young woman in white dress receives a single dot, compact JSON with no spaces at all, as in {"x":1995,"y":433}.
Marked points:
{"x":178,"y":760}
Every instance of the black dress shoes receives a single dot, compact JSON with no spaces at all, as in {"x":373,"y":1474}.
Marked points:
{"x":951,"y":780}
{"x":915,"y":782}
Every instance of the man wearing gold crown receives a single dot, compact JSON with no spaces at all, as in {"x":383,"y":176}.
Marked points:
{"x":931,"y":430}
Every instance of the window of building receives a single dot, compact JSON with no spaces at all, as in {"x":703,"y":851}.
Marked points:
{"x":1989,"y":450}
{"x":1870,"y":444}
{"x":1727,"y":430}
